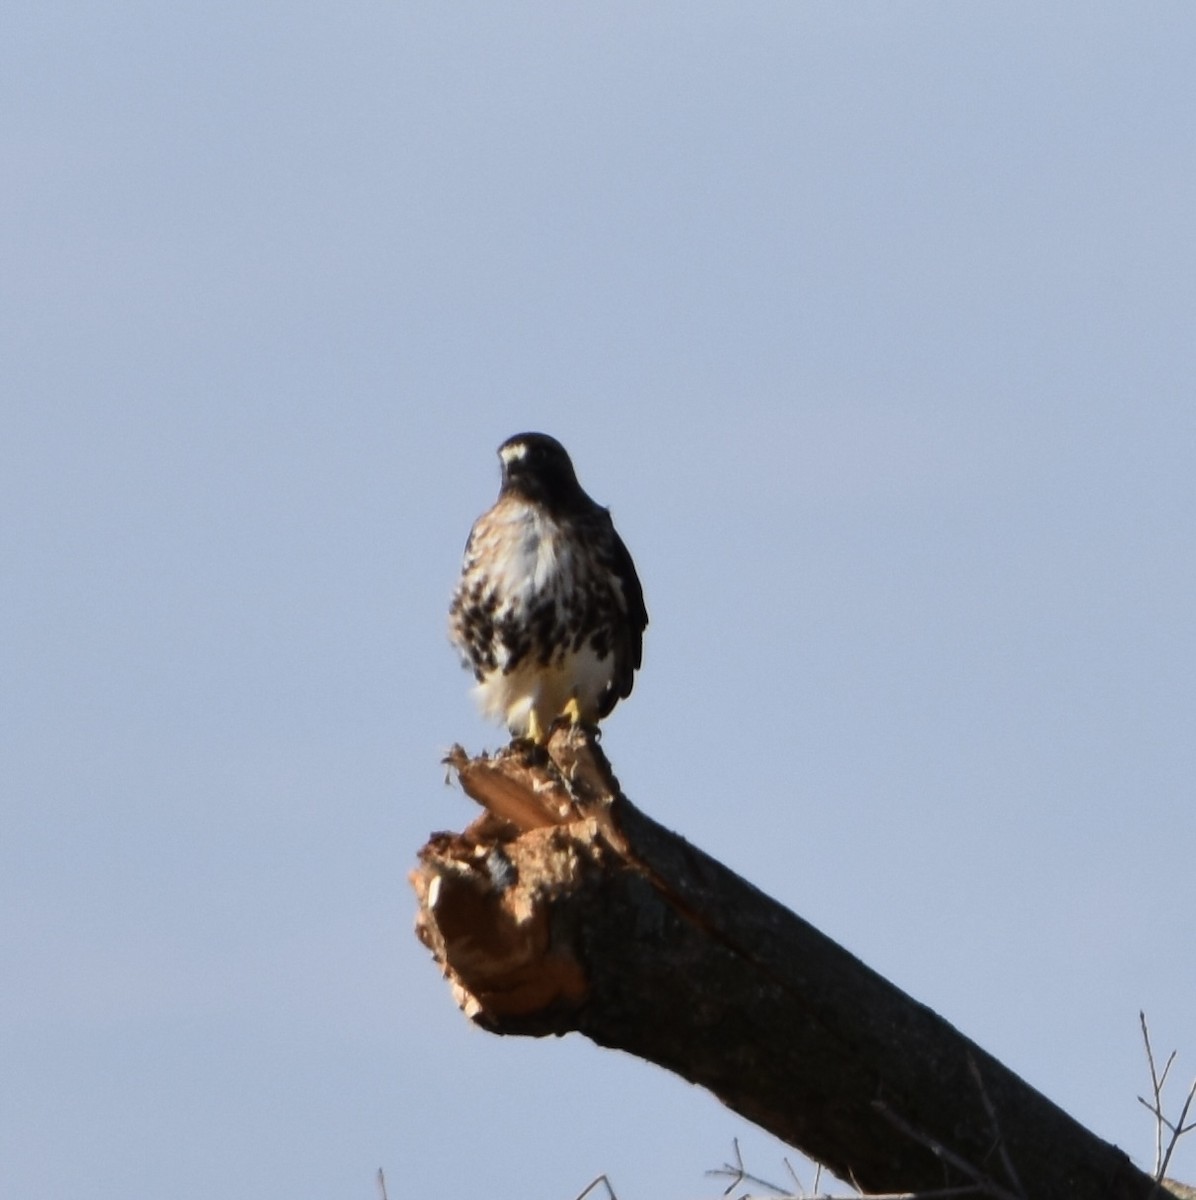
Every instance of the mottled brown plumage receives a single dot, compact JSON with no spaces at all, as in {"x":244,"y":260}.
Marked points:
{"x":549,"y":612}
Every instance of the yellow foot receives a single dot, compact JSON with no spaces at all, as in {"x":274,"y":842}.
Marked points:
{"x":572,"y":710}
{"x":536,"y":733}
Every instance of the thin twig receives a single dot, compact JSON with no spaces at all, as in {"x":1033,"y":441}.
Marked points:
{"x":738,"y":1174}
{"x":1157,"y":1087}
{"x":798,"y":1189}
{"x":989,"y":1108}
{"x":601,"y":1179}
{"x":984,"y":1184}
{"x":1177,"y":1131}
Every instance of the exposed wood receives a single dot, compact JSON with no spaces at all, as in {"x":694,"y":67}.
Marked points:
{"x":563,"y":907}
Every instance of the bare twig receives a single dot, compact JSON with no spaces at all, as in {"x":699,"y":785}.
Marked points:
{"x":1177,"y":1131}
{"x":601,"y":1180}
{"x":1006,"y":1161}
{"x":1156,"y":1084}
{"x":983,"y":1184}
{"x":738,"y":1173}
{"x":798,"y":1190}
{"x":381,"y":1185}
{"x":1164,"y":1148}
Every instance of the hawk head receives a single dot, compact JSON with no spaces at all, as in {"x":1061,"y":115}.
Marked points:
{"x":538,"y":468}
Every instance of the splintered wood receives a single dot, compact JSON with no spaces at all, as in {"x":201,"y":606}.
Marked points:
{"x":487,"y":895}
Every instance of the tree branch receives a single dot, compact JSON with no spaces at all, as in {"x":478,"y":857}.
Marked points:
{"x":564,"y":908}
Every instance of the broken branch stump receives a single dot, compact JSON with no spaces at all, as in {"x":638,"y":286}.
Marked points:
{"x":563,"y":907}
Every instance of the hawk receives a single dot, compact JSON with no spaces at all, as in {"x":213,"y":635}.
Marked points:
{"x":549,"y":612}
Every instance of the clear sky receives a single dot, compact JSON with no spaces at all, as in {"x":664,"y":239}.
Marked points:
{"x":875,"y":324}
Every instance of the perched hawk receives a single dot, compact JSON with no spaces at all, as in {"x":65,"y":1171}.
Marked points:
{"x":549,"y":612}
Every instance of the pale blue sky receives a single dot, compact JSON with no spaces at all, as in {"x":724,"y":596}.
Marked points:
{"x":873,"y":323}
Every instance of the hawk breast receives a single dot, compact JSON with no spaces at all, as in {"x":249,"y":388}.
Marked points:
{"x":542,"y":613}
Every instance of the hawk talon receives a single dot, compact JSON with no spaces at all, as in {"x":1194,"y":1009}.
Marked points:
{"x":536,"y":734}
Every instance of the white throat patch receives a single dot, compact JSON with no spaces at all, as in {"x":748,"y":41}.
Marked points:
{"x":512,"y":453}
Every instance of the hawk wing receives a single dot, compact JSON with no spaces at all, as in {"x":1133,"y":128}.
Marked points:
{"x":627,"y":640}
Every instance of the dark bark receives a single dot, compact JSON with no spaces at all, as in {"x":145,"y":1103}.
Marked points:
{"x":563,"y":907}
